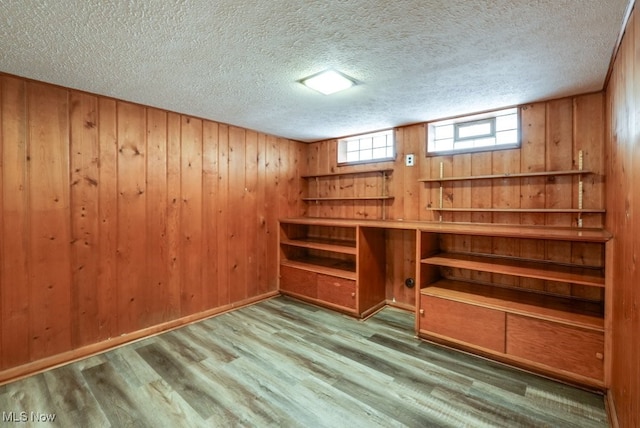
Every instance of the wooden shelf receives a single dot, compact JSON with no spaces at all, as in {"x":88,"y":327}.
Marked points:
{"x":350,"y":198}
{"x":528,"y":269}
{"x":472,"y":229}
{"x":334,"y":245}
{"x":521,"y":210}
{"x":324,"y":265}
{"x":557,"y":309}
{"x":506,"y":175}
{"x":361,"y":172}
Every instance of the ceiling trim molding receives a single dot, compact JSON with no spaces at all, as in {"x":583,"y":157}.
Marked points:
{"x":616,"y":47}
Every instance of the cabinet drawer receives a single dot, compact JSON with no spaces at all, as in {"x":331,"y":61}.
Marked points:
{"x":556,"y":345}
{"x":298,"y":281}
{"x":339,"y":291}
{"x":468,"y":323}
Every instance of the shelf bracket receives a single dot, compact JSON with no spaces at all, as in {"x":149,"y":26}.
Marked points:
{"x":384,"y":193}
{"x":441,"y":189}
{"x":580,"y":187}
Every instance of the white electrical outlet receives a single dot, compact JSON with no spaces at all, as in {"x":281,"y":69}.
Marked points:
{"x":409,"y":160}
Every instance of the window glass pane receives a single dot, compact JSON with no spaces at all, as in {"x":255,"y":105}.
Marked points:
{"x":442,"y":132}
{"x":507,"y":137}
{"x":389,"y":152}
{"x":444,"y":145}
{"x":365,"y":143}
{"x":366,"y":155}
{"x":478,"y":131}
{"x":353,"y":145}
{"x":353,"y":156}
{"x":465,"y":144}
{"x":474,"y":129}
{"x":366,"y":147}
{"x":380,"y":141}
{"x":380,"y":153}
{"x":508,"y":122}
{"x":484,"y":142}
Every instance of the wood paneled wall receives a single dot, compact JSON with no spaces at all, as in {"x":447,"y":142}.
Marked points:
{"x":553,"y":133}
{"x":115,"y":217}
{"x":623,"y":220}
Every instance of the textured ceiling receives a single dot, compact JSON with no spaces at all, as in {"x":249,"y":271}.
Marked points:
{"x":238,"y":61}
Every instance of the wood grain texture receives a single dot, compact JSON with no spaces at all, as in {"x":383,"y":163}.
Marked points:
{"x":559,"y":346}
{"x":622,"y":116}
{"x":49,"y":206}
{"x":553,"y":133}
{"x":476,"y":325}
{"x":115,"y":217}
{"x":284,"y":363}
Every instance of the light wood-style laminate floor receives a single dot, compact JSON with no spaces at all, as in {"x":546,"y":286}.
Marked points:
{"x":287,"y":364}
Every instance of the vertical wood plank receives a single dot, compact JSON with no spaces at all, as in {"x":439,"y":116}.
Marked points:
{"x":559,"y":190}
{"x":108,"y":218}
{"x":172,"y":300}
{"x":263,"y":217}
{"x":272,"y":165}
{"x":237,"y":264}
{"x":157,"y":250}
{"x":223,"y":215}
{"x":414,"y":138}
{"x":132,"y":217}
{"x":15,"y":226}
{"x":209,"y":205}
{"x":50,"y":267}
{"x":85,"y":158}
{"x":251,"y":245}
{"x":191,"y":216}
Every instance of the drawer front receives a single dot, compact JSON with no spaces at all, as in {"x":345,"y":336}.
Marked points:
{"x":474,"y":325}
{"x":298,"y":281}
{"x":556,"y":345}
{"x":339,"y":291}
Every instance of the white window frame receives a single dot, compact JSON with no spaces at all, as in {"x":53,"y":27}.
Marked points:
{"x":453,"y":143}
{"x":362,"y":148}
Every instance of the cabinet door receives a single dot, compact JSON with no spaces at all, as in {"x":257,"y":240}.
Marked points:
{"x":298,"y":281}
{"x":336,"y":290}
{"x":556,"y":345}
{"x":472,"y":324}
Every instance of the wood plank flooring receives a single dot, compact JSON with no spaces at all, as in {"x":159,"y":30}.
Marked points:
{"x":288,"y":364}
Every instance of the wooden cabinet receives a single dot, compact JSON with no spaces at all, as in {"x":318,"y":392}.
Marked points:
{"x":512,"y":308}
{"x":338,"y":266}
{"x":536,"y":297}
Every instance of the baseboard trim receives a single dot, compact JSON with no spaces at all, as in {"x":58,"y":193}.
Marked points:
{"x":610,"y":406}
{"x":58,"y":360}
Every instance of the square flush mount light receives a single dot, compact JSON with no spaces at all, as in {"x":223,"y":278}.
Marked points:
{"x":328,"y":82}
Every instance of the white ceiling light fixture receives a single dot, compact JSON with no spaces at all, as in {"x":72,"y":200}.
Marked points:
{"x":328,"y":82}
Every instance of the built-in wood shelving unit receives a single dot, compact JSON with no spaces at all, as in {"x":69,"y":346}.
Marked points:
{"x":350,"y":198}
{"x":345,"y":173}
{"x":521,"y":210}
{"x":578,"y":314}
{"x":495,"y":305}
{"x":382,"y":197}
{"x":580,"y":210}
{"x":505,"y":175}
{"x":333,"y":265}
{"x":519,"y":267}
{"x":333,"y":245}
{"x":324,"y":265}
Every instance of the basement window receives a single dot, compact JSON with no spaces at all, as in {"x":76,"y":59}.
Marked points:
{"x":487,"y":131}
{"x":364,"y":148}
